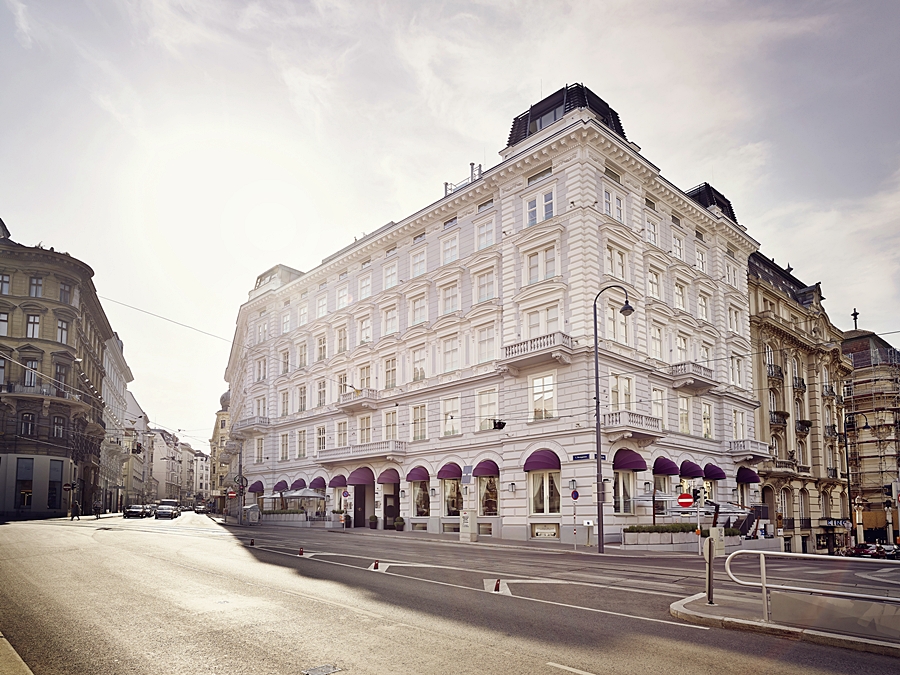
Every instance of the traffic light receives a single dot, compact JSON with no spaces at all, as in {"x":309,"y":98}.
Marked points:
{"x":779,"y":520}
{"x":499,"y":424}
{"x":888,"y":503}
{"x":695,"y":493}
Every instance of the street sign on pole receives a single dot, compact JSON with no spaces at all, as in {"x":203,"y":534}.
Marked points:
{"x":685,"y":500}
{"x":575,"y":495}
{"x":232,"y":494}
{"x":67,"y":486}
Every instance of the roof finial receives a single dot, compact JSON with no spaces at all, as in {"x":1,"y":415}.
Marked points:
{"x":855,"y":315}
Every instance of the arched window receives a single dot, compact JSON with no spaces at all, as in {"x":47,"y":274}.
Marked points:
{"x":825,"y":379}
{"x":795,"y":364}
{"x":773,"y":401}
{"x":770,"y":355}
{"x":801,"y":453}
{"x":804,"y":505}
{"x":786,"y":504}
{"x":798,"y":410}
{"x":775,"y":448}
{"x":826,"y":505}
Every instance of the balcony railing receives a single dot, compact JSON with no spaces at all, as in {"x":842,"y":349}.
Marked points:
{"x":802,"y":427}
{"x":362,"y":398}
{"x":803,"y":468}
{"x":749,"y":447}
{"x":691,"y":376}
{"x":626,"y":418}
{"x":537,"y":344}
{"x":774,"y":371}
{"x":828,"y":391}
{"x":831,"y":472}
{"x":831,"y":431}
{"x":39,"y":390}
{"x":799,"y":384}
{"x":251,"y":422}
{"x":691,"y":368}
{"x":778,"y":418}
{"x":785,"y":464}
{"x":787,"y":523}
{"x":364,"y":450}
{"x":805,"y":523}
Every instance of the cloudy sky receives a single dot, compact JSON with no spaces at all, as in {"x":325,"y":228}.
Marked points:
{"x":181,"y":147}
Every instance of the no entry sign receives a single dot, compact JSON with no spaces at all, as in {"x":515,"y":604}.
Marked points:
{"x":232,"y":494}
{"x":684,"y":499}
{"x":67,"y":486}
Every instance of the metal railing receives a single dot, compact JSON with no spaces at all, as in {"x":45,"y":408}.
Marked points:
{"x":764,"y":585}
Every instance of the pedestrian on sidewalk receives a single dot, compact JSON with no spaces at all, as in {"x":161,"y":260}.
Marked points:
{"x":97,"y":508}
{"x":76,"y":511}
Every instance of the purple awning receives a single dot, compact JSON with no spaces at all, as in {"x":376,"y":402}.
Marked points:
{"x":486,"y":467}
{"x":745,"y":475}
{"x":663,"y":466}
{"x":418,"y":473}
{"x":338,"y":481}
{"x":690,"y":470}
{"x":389,"y":476}
{"x":449,"y":471}
{"x":713,"y":472}
{"x":628,"y":460}
{"x":256,"y":487}
{"x":280,"y":486}
{"x":542,"y":460}
{"x":300,"y":484}
{"x":317,"y":483}
{"x":361,"y":476}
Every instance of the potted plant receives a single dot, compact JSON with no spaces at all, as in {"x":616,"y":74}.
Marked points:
{"x":373,"y":522}
{"x":399,"y":523}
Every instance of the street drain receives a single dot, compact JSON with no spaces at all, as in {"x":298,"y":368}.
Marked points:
{"x":321,"y":670}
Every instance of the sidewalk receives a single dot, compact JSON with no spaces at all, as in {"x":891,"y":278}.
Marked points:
{"x":737,"y":610}
{"x":10,"y":662}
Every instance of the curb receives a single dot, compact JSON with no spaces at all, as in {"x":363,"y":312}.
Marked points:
{"x":10,"y":661}
{"x":679,"y":610}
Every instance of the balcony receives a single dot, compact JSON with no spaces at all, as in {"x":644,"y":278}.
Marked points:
{"x":749,"y":449}
{"x":626,"y":424}
{"x":787,"y":523}
{"x":554,"y":346}
{"x":358,"y":399}
{"x":241,"y":428}
{"x":803,"y":468}
{"x":382,"y":449}
{"x":42,"y":390}
{"x":828,"y":391}
{"x":779,"y":467}
{"x":774,"y":372}
{"x":778,"y":418}
{"x":831,"y":472}
{"x":692,"y":377}
{"x":805,"y":523}
{"x":830,"y":431}
{"x":802,"y":427}
{"x":799,"y":384}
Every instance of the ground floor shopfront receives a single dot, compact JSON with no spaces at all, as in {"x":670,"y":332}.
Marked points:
{"x":34,"y":486}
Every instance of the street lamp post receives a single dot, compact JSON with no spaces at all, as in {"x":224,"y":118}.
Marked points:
{"x":626,"y":310}
{"x":850,"y":505}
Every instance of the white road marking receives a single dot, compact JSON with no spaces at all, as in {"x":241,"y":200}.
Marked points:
{"x":571,"y":670}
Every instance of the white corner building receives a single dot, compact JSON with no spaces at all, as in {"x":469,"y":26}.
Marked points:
{"x":459,"y":342}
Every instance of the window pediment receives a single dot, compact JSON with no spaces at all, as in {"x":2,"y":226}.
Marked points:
{"x":554,"y":287}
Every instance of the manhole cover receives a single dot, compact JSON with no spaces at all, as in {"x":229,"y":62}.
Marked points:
{"x":321,"y":670}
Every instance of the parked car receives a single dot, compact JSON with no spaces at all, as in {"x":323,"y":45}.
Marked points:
{"x":867,"y":551}
{"x":165,"y":511}
{"x":134,"y":511}
{"x":892,"y":552}
{"x":150,"y":509}
{"x":200,"y":509}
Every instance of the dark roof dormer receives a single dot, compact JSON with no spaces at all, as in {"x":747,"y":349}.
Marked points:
{"x":556,"y":105}
{"x":706,"y":195}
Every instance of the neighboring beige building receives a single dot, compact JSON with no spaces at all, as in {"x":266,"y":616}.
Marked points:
{"x":872,"y":397}
{"x":220,"y":477}
{"x":798,"y":368}
{"x":114,"y":451}
{"x":136,"y":469}
{"x":166,"y":456}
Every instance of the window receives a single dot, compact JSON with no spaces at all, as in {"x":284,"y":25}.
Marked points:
{"x":488,"y":495}
{"x":419,"y":427}
{"x":705,"y":354}
{"x":65,"y":293}
{"x":62,"y":376}
{"x":36,"y":287}
{"x":285,"y":323}
{"x":302,"y":316}
{"x":684,"y":414}
{"x":320,"y":393}
{"x":343,"y":297}
{"x":419,"y":237}
{"x":364,"y":429}
{"x":543,"y":321}
{"x":652,"y":232}
{"x":706,"y":413}
{"x":342,"y":340}
{"x":365,"y":287}
{"x":620,"y":393}
{"x":450,"y":299}
{"x":33,"y":327}
{"x":681,"y":349}
{"x":487,"y":409}
{"x":301,"y":398}
{"x":320,"y":438}
{"x":538,"y":208}
{"x":285,"y":362}
{"x":59,"y":426}
{"x":389,"y":325}
{"x":421,"y":498}
{"x":285,"y":404}
{"x":4,"y":324}
{"x":4,"y":284}
{"x":390,"y":425}
{"x":541,"y":175}
{"x":737,"y":369}
{"x":679,"y":295}
{"x":341,"y":429}
{"x":301,"y":444}
{"x":485,"y":234}
{"x":449,"y":223}
{"x":390,"y":373}
{"x":731,"y":275}
{"x":703,"y":307}
{"x":701,"y":259}
{"x":261,"y":370}
{"x":390,"y":275}
{"x":616,"y":325}
{"x":653,"y":284}
{"x":259,"y":451}
{"x":321,"y":306}
{"x":658,"y":404}
{"x":544,"y":491}
{"x":365,"y":330}
{"x":283,"y":448}
{"x":418,"y":263}
{"x":450,"y":415}
{"x":2,"y":370}
{"x":485,"y":284}
{"x":321,"y":348}
{"x":615,"y":262}
{"x":486,"y":344}
{"x":28,"y":425}
{"x":301,"y":355}
{"x":484,"y":206}
{"x":452,"y":496}
{"x":623,"y":487}
{"x":449,"y":249}
{"x":678,"y":247}
{"x":541,"y":265}
{"x":418,"y":363}
{"x":734,"y":320}
{"x":656,"y":342}
{"x":737,"y":425}
{"x":451,"y":354}
{"x":419,"y":310}
{"x":365,"y":377}
{"x":543,"y":403}
{"x":261,"y":408}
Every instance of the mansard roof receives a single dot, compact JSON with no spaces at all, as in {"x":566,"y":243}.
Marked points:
{"x":706,"y":195}
{"x":768,"y":270}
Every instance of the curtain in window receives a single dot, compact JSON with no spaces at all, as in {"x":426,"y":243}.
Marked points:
{"x":421,"y":498}
{"x":452,"y":497}
{"x":537,"y":493}
{"x":554,"y":492}
{"x":487,"y":495}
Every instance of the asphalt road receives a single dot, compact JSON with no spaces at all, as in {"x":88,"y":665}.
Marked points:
{"x":190,"y":596}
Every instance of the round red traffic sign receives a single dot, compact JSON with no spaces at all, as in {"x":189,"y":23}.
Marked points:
{"x":67,"y":486}
{"x":684,"y":499}
{"x":232,"y":494}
